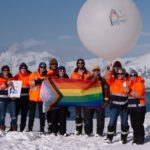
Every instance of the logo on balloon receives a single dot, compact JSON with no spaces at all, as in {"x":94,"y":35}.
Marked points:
{"x":117,"y":17}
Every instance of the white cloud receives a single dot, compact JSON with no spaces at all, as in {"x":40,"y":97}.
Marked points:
{"x":32,"y":43}
{"x":66,"y":37}
{"x":26,"y":45}
{"x":146,"y":34}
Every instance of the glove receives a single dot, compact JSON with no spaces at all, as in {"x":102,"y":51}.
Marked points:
{"x":126,"y":89}
{"x":38,"y":81}
{"x":106,"y":104}
{"x":8,"y":83}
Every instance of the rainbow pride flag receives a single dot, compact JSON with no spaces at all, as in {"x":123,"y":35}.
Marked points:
{"x":69,"y":92}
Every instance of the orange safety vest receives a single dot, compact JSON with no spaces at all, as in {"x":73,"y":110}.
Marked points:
{"x":25,"y":83}
{"x":51,"y":73}
{"x":119,"y":96}
{"x":3,"y":88}
{"x":34,"y":92}
{"x":77,"y":75}
{"x":137,"y":94}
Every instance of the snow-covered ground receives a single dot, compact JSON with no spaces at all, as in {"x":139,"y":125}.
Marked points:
{"x":35,"y":141}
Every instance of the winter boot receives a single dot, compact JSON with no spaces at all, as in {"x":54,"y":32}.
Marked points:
{"x":13,"y":128}
{"x":42,"y":129}
{"x":49,"y":127}
{"x":124,"y":134}
{"x":22,"y":127}
{"x":2,"y":127}
{"x":29,"y":129}
{"x":110,"y":133}
{"x":79,"y":126}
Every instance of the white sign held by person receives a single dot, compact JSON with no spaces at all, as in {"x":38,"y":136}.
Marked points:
{"x":14,"y":91}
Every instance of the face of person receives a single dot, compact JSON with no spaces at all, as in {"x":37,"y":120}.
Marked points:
{"x":80,"y":64}
{"x":42,"y":69}
{"x":5,"y":72}
{"x":120,"y":74}
{"x":133,"y":76}
{"x":61,"y":73}
{"x":96,"y":72}
{"x":23,"y":70}
{"x":53,"y":66}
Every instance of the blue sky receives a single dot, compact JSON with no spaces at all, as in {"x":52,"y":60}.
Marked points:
{"x":51,"y":25}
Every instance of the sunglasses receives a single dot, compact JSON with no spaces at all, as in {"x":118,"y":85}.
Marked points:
{"x":23,"y":68}
{"x":6,"y":70}
{"x":81,"y":63}
{"x":133,"y":75}
{"x":53,"y":64}
{"x":96,"y":70}
{"x":61,"y":70}
{"x":120,"y":73}
{"x":43,"y":67}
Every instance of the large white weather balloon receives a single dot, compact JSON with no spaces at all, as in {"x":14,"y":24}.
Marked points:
{"x":109,"y":28}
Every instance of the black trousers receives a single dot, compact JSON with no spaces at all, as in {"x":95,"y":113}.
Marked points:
{"x":32,"y":110}
{"x":88,"y":120}
{"x":49,"y":122}
{"x":137,"y":120}
{"x":79,"y":119}
{"x":22,"y":107}
{"x":58,"y":120}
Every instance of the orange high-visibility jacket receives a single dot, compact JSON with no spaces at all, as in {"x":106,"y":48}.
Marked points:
{"x":25,"y":83}
{"x":3,"y":88}
{"x":34,"y":92}
{"x":51,"y":73}
{"x":119,"y":94}
{"x":77,"y":75}
{"x":137,"y":94}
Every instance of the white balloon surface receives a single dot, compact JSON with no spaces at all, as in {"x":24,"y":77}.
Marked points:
{"x":109,"y":28}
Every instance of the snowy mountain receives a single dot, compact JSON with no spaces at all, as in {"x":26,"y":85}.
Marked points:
{"x":33,"y":58}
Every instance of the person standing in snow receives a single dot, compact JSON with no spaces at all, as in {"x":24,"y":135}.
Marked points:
{"x":52,"y":72}
{"x":5,"y":101}
{"x":22,"y":103}
{"x":100,"y":110}
{"x":35,"y":81}
{"x":59,"y":114}
{"x":79,"y":73}
{"x":119,"y":89}
{"x":137,"y":106}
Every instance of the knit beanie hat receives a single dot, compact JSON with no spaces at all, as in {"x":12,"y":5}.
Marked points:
{"x":95,"y":68}
{"x":53,"y":61}
{"x":42,"y":65}
{"x":23,"y":65}
{"x":117,"y":64}
{"x":133,"y":72}
{"x":62,"y":68}
{"x":5,"y":67}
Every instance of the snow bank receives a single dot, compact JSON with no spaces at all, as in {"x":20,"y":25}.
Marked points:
{"x":36,"y":141}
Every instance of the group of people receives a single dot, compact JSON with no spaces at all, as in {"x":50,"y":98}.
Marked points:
{"x":123,"y":93}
